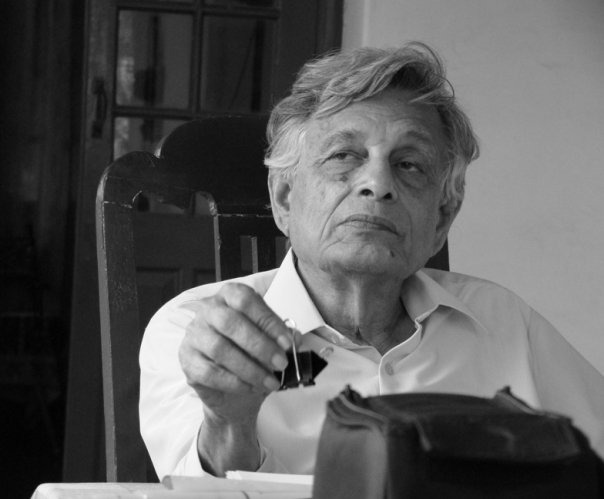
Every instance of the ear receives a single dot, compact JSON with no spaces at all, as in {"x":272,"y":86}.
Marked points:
{"x":279,"y":188}
{"x":447,"y":212}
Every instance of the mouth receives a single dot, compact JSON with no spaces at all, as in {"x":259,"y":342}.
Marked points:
{"x":370,"y":222}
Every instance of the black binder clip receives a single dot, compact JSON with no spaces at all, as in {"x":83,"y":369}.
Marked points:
{"x":302,"y":367}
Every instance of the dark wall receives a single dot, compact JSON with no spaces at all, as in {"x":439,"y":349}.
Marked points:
{"x":40,"y":62}
{"x":41,"y":67}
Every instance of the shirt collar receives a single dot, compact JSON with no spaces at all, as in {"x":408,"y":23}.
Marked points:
{"x":289,"y":299}
{"x":422,"y":295}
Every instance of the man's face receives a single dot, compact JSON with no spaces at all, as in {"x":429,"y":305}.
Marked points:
{"x":367,"y":195}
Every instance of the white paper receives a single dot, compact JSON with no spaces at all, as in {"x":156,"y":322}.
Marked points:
{"x":239,"y":485}
{"x":179,"y":494}
{"x":270,"y":477}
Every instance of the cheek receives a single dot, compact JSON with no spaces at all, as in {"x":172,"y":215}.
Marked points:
{"x":310,"y":194}
{"x":429,"y":219}
{"x":423,"y":217}
{"x":313,"y":207}
{"x":305,"y":204}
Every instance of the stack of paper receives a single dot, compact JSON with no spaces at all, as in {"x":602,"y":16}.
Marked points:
{"x":237,"y":485}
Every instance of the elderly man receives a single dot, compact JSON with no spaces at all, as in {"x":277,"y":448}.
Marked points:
{"x":366,"y":162}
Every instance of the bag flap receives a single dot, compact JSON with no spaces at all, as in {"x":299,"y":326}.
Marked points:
{"x":509,"y":438}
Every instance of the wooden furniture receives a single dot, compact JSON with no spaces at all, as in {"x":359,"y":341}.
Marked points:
{"x":218,"y":225}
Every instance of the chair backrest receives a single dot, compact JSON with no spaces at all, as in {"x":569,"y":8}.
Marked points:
{"x":211,"y":173}
{"x":218,"y":226}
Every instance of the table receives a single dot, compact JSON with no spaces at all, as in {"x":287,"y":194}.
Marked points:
{"x":182,"y":488}
{"x":96,"y":490}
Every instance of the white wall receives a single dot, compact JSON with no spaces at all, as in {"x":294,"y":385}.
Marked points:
{"x":530,"y":73}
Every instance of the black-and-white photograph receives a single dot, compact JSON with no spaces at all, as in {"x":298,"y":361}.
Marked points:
{"x":295,"y":249}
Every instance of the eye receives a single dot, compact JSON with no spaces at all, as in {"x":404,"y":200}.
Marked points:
{"x":408,"y":166}
{"x":343,"y":159}
{"x":342,"y":156}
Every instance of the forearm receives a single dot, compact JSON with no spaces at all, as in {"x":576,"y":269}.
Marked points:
{"x":224,"y":446}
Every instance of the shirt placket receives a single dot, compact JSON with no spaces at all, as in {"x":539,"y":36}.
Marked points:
{"x":391,"y":365}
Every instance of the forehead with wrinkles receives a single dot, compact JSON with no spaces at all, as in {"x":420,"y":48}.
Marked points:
{"x":390,"y":119}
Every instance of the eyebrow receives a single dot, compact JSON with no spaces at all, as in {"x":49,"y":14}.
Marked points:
{"x":348,"y":135}
{"x":345,"y":135}
{"x":421,"y":136}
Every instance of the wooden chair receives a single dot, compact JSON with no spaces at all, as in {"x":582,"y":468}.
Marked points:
{"x":211,"y":173}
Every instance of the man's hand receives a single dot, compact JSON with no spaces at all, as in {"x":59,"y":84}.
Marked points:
{"x":228,"y":355}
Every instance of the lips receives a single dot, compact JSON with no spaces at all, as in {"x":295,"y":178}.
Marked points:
{"x":370,"y":222}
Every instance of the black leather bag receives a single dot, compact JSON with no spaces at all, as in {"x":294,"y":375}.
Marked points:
{"x":432,"y":445}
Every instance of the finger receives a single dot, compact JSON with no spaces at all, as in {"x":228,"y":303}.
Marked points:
{"x":204,"y":375}
{"x":245,"y":299}
{"x":229,"y":356}
{"x":219,"y":349}
{"x":201,"y":373}
{"x":220,"y":320}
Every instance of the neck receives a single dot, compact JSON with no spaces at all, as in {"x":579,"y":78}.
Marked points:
{"x":365,"y":309}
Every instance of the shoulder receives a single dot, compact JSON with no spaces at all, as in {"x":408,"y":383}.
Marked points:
{"x":181,"y":309}
{"x":260,"y":282}
{"x":486,"y":299}
{"x":455,"y":280}
{"x":467,"y":286}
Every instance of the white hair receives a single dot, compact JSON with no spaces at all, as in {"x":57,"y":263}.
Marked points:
{"x":329,"y":84}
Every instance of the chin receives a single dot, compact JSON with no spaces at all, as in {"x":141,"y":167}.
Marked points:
{"x":373,"y":261}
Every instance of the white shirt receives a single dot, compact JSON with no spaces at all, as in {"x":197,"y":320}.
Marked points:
{"x":471,"y":337}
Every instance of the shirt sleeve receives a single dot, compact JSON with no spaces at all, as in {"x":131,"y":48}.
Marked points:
{"x":566,"y":382}
{"x":190,"y":464}
{"x":170,"y":411}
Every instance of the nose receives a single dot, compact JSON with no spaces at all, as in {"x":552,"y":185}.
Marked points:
{"x":376,"y":181}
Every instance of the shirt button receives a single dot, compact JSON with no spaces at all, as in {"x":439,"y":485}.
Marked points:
{"x":326,"y":352}
{"x":389,"y":369}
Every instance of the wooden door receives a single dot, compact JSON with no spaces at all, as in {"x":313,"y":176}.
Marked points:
{"x":149,"y":66}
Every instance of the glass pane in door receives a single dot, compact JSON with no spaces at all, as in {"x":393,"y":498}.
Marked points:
{"x":153,"y":59}
{"x":236,"y":64}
